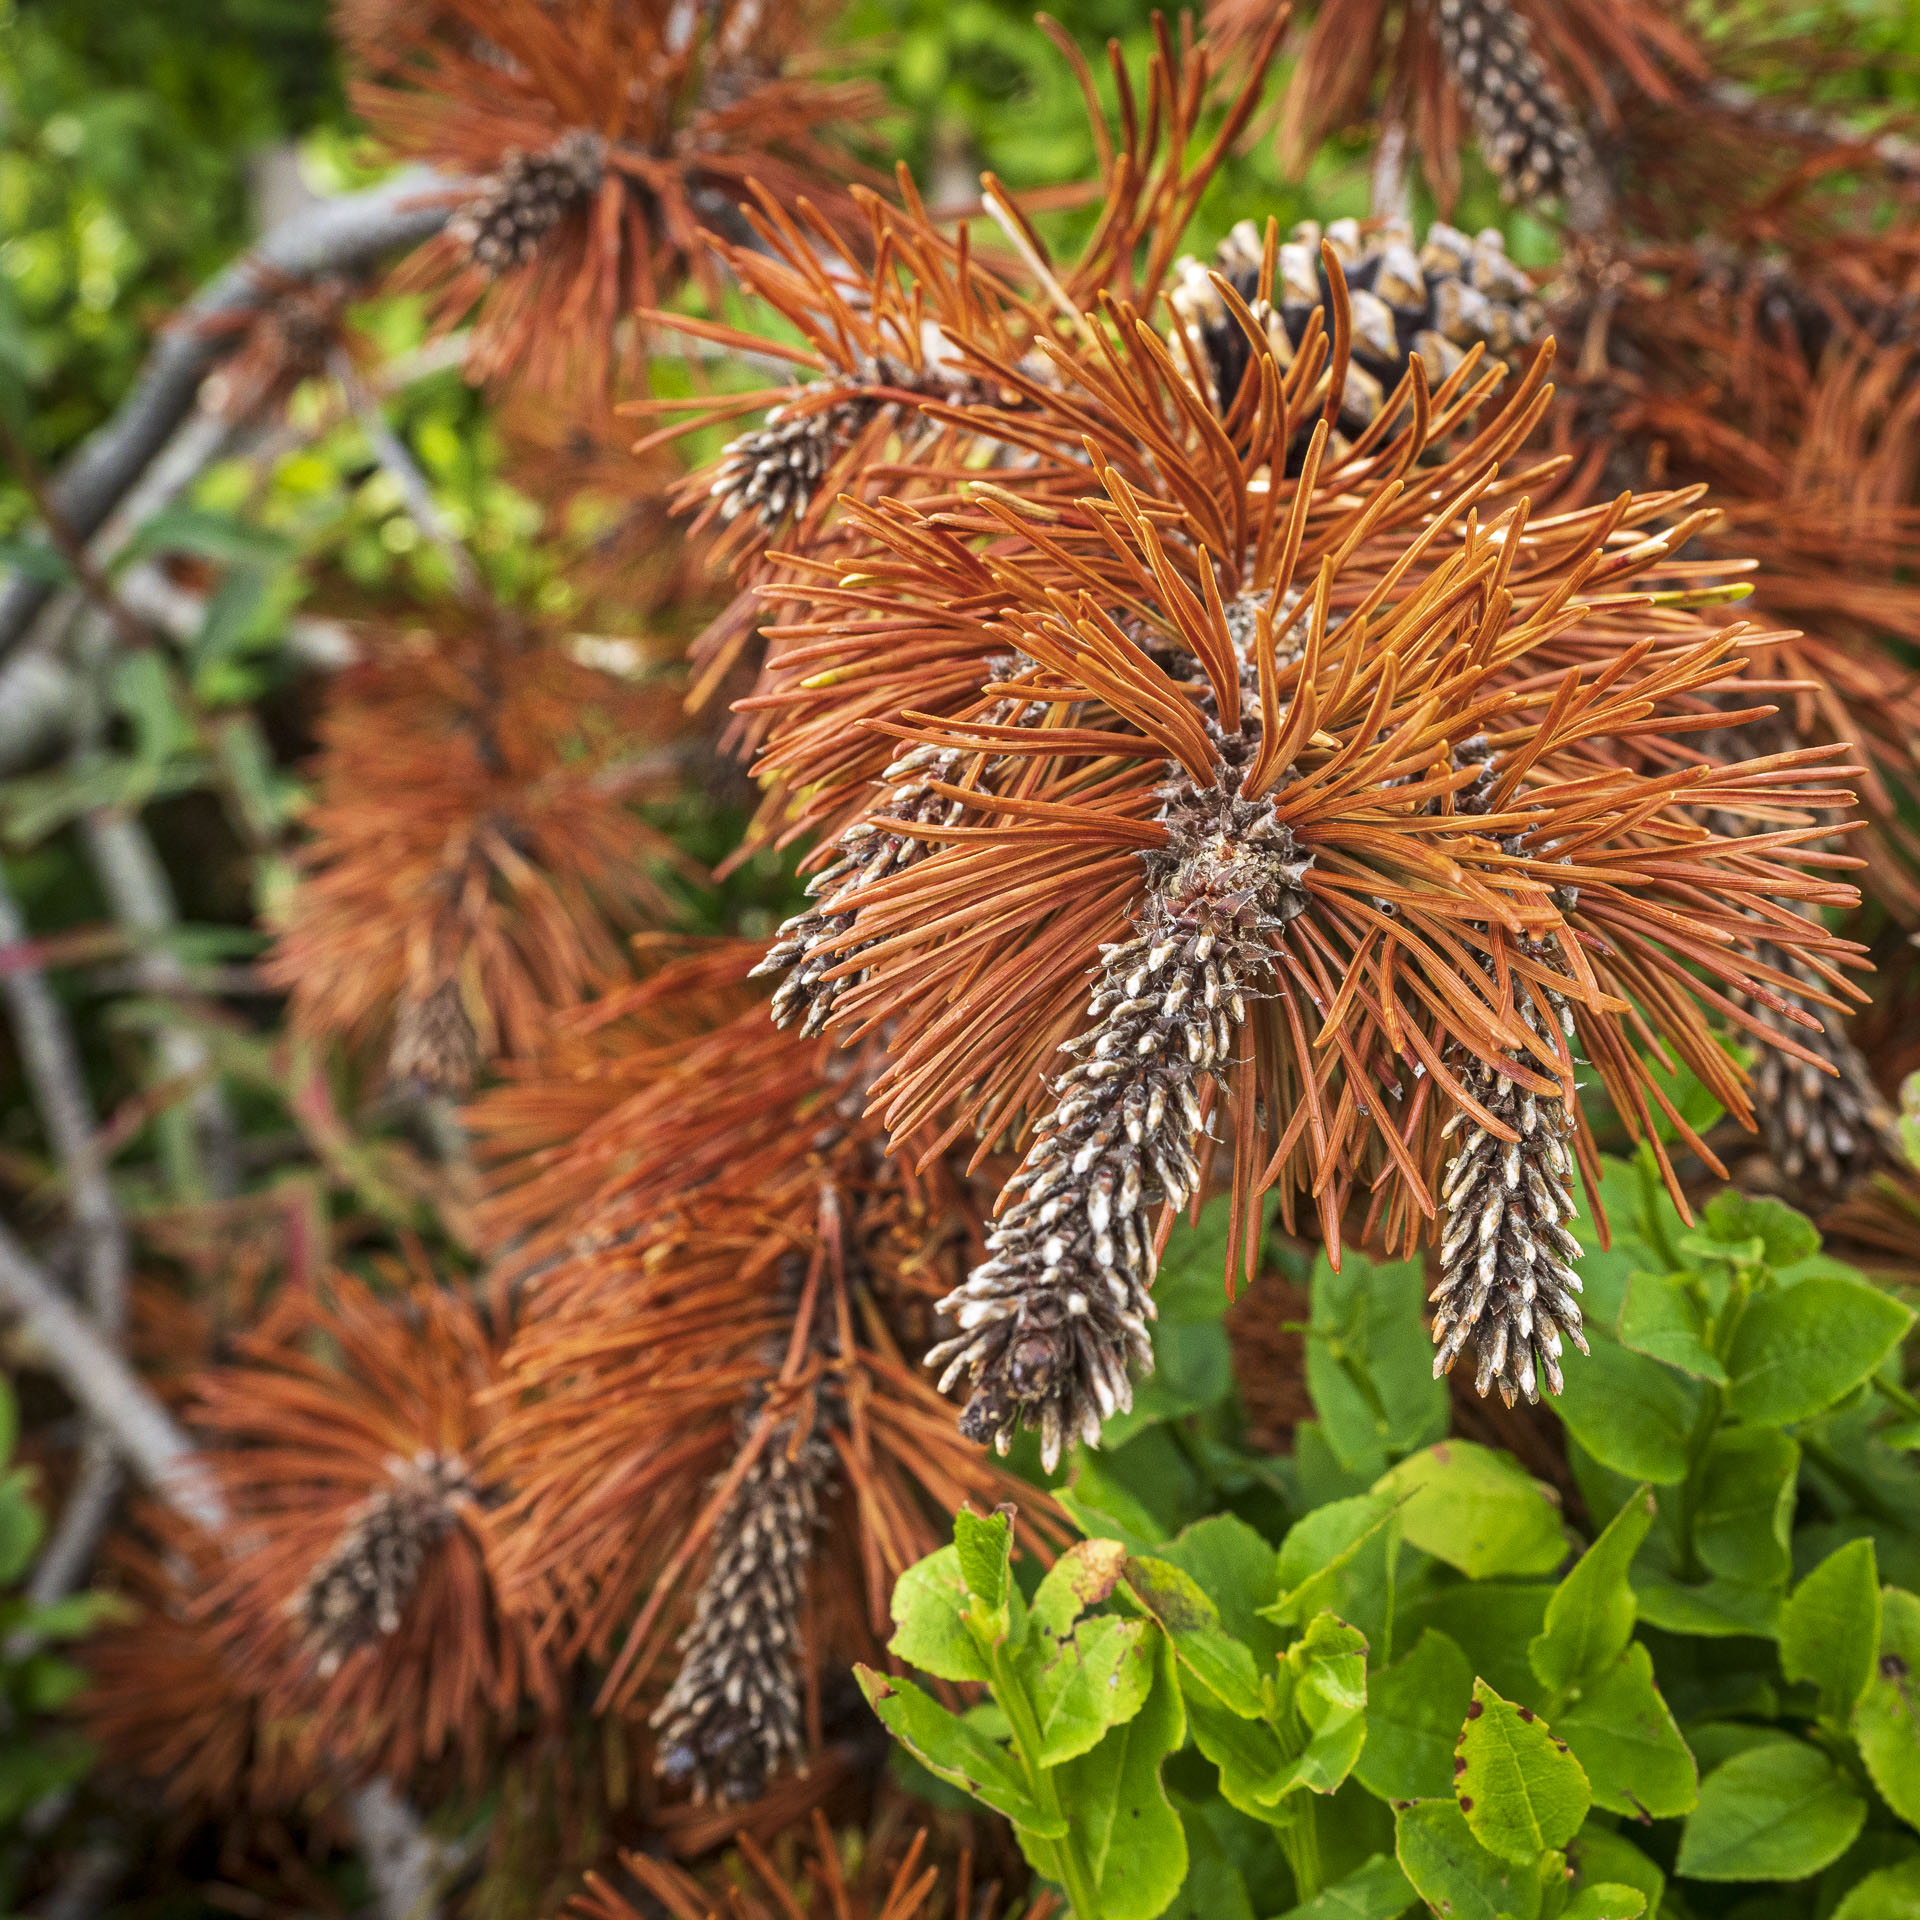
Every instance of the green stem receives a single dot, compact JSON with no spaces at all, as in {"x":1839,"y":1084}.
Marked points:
{"x":1300,"y":1842}
{"x":1070,"y":1867}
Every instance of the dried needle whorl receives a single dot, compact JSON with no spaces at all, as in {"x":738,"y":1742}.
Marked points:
{"x":1508,"y":1284}
{"x":504,"y":224}
{"x":735,"y":1715}
{"x":358,"y":1593}
{"x":807,"y":946}
{"x":1049,"y":1324}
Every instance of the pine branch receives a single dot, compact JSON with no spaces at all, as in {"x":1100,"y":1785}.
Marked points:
{"x":339,"y":236}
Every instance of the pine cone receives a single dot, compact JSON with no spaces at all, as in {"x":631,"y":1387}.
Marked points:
{"x":359,"y":1592}
{"x":434,"y":1046}
{"x":1506,"y":1256}
{"x":734,"y":1716}
{"x":1527,"y":129}
{"x":503,"y":225}
{"x":1456,"y":292}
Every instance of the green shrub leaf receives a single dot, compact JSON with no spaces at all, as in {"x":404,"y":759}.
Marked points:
{"x":1327,"y":1669}
{"x":1830,"y":1632}
{"x":1784,"y":1235}
{"x":1886,"y":1722}
{"x":1082,"y":1577}
{"x":1605,"y":1900}
{"x":1798,"y":1350}
{"x":1743,"y":1506}
{"x":1477,"y":1510}
{"x":1600,"y":1857}
{"x":946,"y":1745}
{"x":1453,"y":1873}
{"x":985,"y":1547}
{"x":1891,"y":1894}
{"x":1377,"y":1890}
{"x":1777,"y":1812}
{"x":1202,"y":1645}
{"x":1370,"y":1363}
{"x":1094,"y":1680}
{"x":1623,"y":1734}
{"x":1414,"y":1712}
{"x":930,"y":1620}
{"x":1332,"y":1556}
{"x":1662,"y":1319}
{"x":1590,"y":1617}
{"x":1128,"y":1830}
{"x":1520,"y":1788}
{"x":1631,"y":1413}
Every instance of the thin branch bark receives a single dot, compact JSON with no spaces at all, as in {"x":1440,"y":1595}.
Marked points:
{"x":107,"y":1389}
{"x":399,"y":466}
{"x":338,"y":236}
{"x":54,"y":1072}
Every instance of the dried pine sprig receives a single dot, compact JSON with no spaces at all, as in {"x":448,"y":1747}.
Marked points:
{"x":892,"y":333}
{"x":346,"y":1436}
{"x":728,"y":1288}
{"x":1779,"y":379}
{"x":473,"y":849}
{"x":891,"y":1883}
{"x":1513,"y":70}
{"x":1223,"y":651}
{"x":602,"y":136}
{"x":173,"y":1700}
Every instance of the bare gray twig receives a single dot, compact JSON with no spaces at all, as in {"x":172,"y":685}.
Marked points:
{"x":337,"y":236}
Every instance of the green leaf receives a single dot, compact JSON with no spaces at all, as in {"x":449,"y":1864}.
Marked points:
{"x":35,"y":560}
{"x":1082,"y":1577}
{"x":1414,"y":1712}
{"x":1492,"y":1624}
{"x":1777,"y":1812}
{"x":47,"y":1683}
{"x":1600,"y":1857}
{"x":1236,"y":1569}
{"x":1663,"y":1320}
{"x":1094,"y":1680}
{"x":1332,"y":1553}
{"x":1520,"y":1788}
{"x":1891,"y":1894}
{"x":1794,"y":1353}
{"x":985,"y":1548}
{"x":1624,"y":1736}
{"x":1370,"y":1363}
{"x":1631,"y":1413}
{"x":1213,"y":1888}
{"x":1718,"y":1609}
{"x":946,"y":1745}
{"x":1192,"y":1622}
{"x":1830,"y":1632}
{"x":1743,"y":1507}
{"x":1135,"y":1528}
{"x":1254,"y":1771}
{"x":1453,"y":1873}
{"x":1886,"y":1721}
{"x":144,"y":691}
{"x":1477,"y":1510}
{"x":220,"y":537}
{"x":1605,"y":1901}
{"x":9,"y":1420}
{"x":21,"y":1526}
{"x":1192,"y":1371}
{"x":930,"y":1620}
{"x":1377,"y":1890}
{"x":1327,"y":1666}
{"x":1590,"y":1617}
{"x":1785,"y":1236}
{"x":1126,"y":1827}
